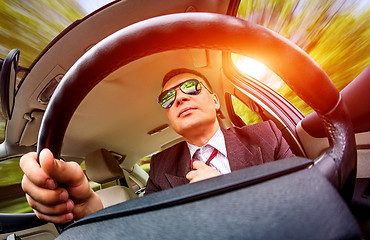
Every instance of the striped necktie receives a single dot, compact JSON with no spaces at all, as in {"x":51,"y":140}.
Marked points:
{"x":212,"y":156}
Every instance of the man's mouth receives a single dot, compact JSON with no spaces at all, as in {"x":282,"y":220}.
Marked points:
{"x":185,"y":111}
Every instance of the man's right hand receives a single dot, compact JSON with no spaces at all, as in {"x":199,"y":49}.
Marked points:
{"x":51,"y":202}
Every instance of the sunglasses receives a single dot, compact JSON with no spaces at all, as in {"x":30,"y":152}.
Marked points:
{"x":190,"y":87}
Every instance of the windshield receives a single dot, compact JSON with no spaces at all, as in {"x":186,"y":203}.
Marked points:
{"x":334,"y":33}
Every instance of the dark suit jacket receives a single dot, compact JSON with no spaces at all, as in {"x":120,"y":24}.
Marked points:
{"x":247,"y":146}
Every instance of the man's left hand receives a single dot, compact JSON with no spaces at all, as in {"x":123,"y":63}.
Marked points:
{"x":201,"y":172}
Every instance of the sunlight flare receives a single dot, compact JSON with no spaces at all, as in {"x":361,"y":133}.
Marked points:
{"x":251,"y":67}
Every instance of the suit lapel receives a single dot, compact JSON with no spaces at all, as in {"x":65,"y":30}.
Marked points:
{"x":239,"y":155}
{"x":183,"y":167}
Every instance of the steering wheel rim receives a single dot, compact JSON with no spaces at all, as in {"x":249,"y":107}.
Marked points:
{"x":216,"y":32}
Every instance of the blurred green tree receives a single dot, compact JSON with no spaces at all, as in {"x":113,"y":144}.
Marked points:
{"x":335,"y":33}
{"x":30,"y":25}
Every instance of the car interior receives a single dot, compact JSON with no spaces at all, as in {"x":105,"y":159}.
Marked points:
{"x":106,"y":117}
{"x":102,"y":167}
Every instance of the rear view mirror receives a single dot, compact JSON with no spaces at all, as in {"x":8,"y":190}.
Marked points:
{"x":8,"y":76}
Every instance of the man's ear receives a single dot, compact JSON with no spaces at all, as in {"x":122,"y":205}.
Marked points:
{"x":216,"y":101}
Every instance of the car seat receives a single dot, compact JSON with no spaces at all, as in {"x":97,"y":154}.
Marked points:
{"x":102,"y":167}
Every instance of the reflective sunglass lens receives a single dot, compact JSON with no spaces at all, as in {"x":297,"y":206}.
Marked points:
{"x":188,"y":87}
{"x":191,"y":87}
{"x":167,"y":100}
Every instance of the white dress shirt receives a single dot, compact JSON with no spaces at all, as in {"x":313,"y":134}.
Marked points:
{"x":220,"y":162}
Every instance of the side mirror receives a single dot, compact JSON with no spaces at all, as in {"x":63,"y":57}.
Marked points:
{"x":8,"y":76}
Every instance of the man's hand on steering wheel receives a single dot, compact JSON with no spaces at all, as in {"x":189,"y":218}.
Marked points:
{"x":60,"y":204}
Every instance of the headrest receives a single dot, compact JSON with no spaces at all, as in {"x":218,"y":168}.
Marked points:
{"x":102,"y":167}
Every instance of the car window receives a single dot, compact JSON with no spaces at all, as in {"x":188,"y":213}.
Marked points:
{"x":12,"y":198}
{"x":334,"y":33}
{"x":240,"y":113}
{"x":2,"y":128}
{"x":144,"y":163}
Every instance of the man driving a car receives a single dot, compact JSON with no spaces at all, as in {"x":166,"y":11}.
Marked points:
{"x":207,"y":151}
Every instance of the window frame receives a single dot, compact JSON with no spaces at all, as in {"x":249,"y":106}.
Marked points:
{"x":276,"y":108}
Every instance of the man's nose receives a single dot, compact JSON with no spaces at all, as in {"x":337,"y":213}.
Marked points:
{"x":181,"y":97}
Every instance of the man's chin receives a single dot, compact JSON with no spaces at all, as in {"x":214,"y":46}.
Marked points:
{"x":189,"y":127}
{"x":184,"y":128}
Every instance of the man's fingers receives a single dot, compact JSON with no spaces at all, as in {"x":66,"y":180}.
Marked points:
{"x":69,"y":174}
{"x":201,"y":172}
{"x":60,"y":171}
{"x":57,"y":190}
{"x":193,"y":175}
{"x":44,"y":195}
{"x":59,"y":209}
{"x":190,"y":175}
{"x":58,"y":219}
{"x":34,"y":172}
{"x":199,"y":164}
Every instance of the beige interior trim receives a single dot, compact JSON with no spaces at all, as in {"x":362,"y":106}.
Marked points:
{"x":31,"y":129}
{"x":363,"y":163}
{"x":102,"y":167}
{"x":139,"y":176}
{"x":313,"y":147}
{"x":199,"y":57}
{"x":43,"y":232}
{"x":116,"y":194}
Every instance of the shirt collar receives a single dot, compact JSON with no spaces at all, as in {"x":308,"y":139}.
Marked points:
{"x":217,"y":141}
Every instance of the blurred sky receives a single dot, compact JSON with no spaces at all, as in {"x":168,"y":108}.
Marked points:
{"x":91,"y":5}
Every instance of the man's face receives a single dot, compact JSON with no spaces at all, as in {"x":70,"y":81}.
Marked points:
{"x":191,"y":113}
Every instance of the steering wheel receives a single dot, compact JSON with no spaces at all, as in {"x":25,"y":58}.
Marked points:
{"x":216,"y":32}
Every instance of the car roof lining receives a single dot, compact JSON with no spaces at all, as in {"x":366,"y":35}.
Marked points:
{"x":113,"y":102}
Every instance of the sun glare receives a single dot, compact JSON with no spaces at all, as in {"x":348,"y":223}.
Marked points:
{"x":251,"y":67}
